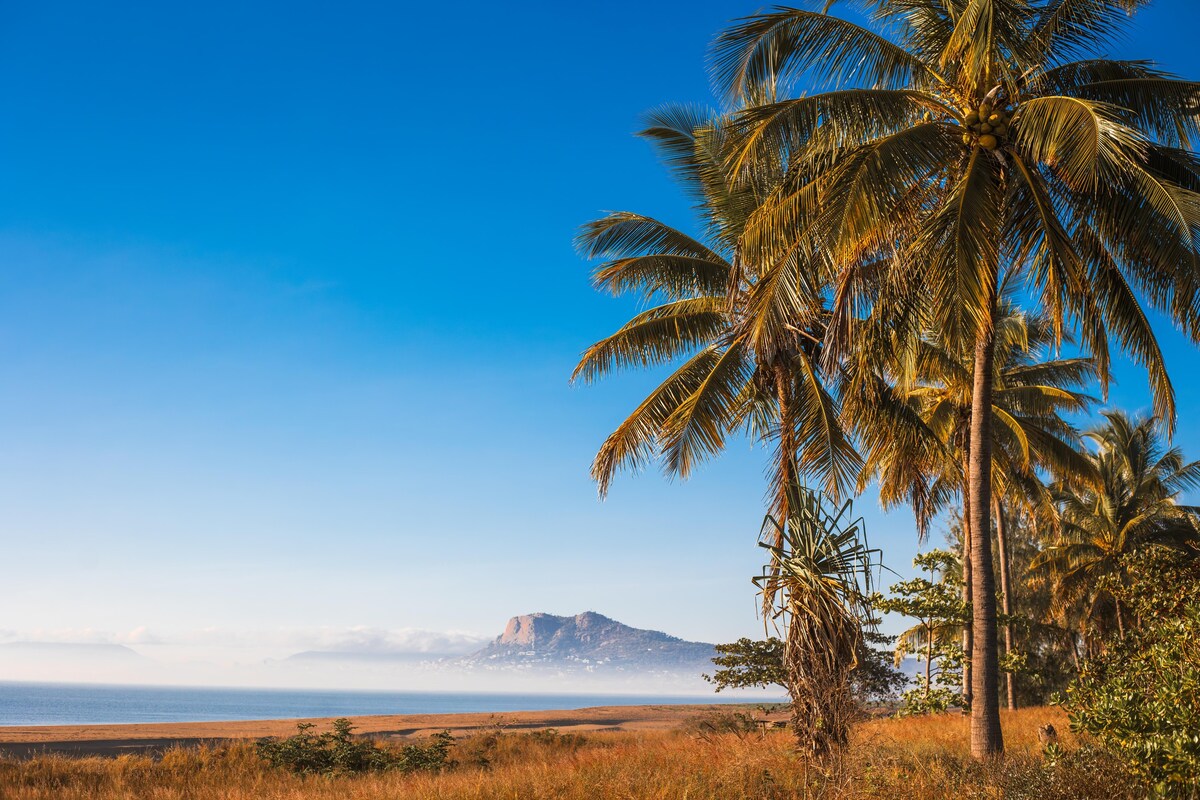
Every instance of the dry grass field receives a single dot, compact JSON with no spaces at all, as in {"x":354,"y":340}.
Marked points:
{"x":911,"y":758}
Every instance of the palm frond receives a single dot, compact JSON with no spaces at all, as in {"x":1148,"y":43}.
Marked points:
{"x":623,"y":234}
{"x":1066,"y":28}
{"x":638,"y":439}
{"x":656,"y":336}
{"x":777,"y":47}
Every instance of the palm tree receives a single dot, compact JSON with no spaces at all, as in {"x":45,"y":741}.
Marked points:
{"x":817,"y":584}
{"x":1136,"y":505}
{"x":970,"y":143}
{"x":727,"y":382}
{"x":1032,"y":392}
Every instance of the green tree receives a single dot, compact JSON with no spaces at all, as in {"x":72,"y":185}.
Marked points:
{"x":936,"y":603}
{"x":1141,"y":696}
{"x":749,"y":664}
{"x":978,"y":142}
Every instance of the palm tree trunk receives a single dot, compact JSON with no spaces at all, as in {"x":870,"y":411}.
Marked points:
{"x":966,"y":584}
{"x":787,"y":443}
{"x":1006,"y":600}
{"x":986,"y":736}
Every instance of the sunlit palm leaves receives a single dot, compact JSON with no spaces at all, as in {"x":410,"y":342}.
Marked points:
{"x":1032,"y":395}
{"x":1133,"y":504}
{"x":967,"y":145}
{"x":1099,"y":151}
{"x":734,"y":370}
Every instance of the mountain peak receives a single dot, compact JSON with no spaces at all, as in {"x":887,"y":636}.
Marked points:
{"x":589,"y":638}
{"x":540,"y":628}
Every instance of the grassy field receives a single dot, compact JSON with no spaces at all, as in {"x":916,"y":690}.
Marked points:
{"x":916,"y":757}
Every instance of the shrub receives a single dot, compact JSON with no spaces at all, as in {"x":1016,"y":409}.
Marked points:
{"x":716,"y":723}
{"x":339,"y":752}
{"x":1141,"y":697}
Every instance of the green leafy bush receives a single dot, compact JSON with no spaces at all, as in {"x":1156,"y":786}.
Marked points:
{"x":1141,"y":697}
{"x":338,"y":752}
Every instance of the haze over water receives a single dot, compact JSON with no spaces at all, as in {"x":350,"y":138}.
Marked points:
{"x":83,"y":704}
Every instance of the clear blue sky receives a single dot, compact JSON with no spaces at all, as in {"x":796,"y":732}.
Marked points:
{"x":289,"y":303}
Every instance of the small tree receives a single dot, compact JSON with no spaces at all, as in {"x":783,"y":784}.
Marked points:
{"x":750,"y":664}
{"x":876,"y":678}
{"x":747,"y":664}
{"x":815,"y":590}
{"x":937,"y":605}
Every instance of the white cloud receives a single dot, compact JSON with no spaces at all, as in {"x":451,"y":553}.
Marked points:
{"x":361,"y":639}
{"x":280,"y":642}
{"x":139,"y":635}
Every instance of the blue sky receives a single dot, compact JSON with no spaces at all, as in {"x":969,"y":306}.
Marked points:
{"x":289,"y":304}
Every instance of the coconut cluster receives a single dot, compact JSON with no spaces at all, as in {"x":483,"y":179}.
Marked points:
{"x":988,"y":125}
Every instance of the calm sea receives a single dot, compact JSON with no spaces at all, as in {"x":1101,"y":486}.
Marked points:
{"x":91,"y":704}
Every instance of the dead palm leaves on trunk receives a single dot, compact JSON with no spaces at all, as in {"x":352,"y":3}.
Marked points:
{"x":814,"y":590}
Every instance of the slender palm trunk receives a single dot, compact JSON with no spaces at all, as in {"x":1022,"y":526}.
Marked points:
{"x":986,"y":737}
{"x":966,"y":584}
{"x":787,"y":443}
{"x":781,"y":505}
{"x":1006,"y":599}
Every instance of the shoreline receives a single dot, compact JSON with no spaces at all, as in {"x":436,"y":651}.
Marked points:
{"x":25,"y":741}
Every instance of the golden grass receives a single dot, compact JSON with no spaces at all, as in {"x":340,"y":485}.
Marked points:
{"x":912,"y":758}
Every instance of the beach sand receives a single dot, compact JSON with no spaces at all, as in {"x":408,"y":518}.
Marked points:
{"x":23,"y":741}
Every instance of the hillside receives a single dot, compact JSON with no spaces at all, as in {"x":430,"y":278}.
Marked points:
{"x":590,"y":642}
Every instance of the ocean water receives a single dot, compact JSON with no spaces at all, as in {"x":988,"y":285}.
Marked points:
{"x":94,"y":704}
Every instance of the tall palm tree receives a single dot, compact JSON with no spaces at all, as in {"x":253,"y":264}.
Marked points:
{"x":1032,"y":392}
{"x":962,"y":142}
{"x":1135,"y":505}
{"x":728,"y":382}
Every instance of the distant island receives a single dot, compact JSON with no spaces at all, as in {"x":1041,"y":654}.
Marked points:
{"x":589,"y":642}
{"x":588,"y":648}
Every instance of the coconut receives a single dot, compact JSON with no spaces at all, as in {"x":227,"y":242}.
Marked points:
{"x":988,"y":141}
{"x":995,"y":118}
{"x":972,"y":118}
{"x":1000,"y":130}
{"x":985,"y":128}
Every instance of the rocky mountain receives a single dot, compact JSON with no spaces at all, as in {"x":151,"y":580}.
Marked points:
{"x":590,"y":642}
